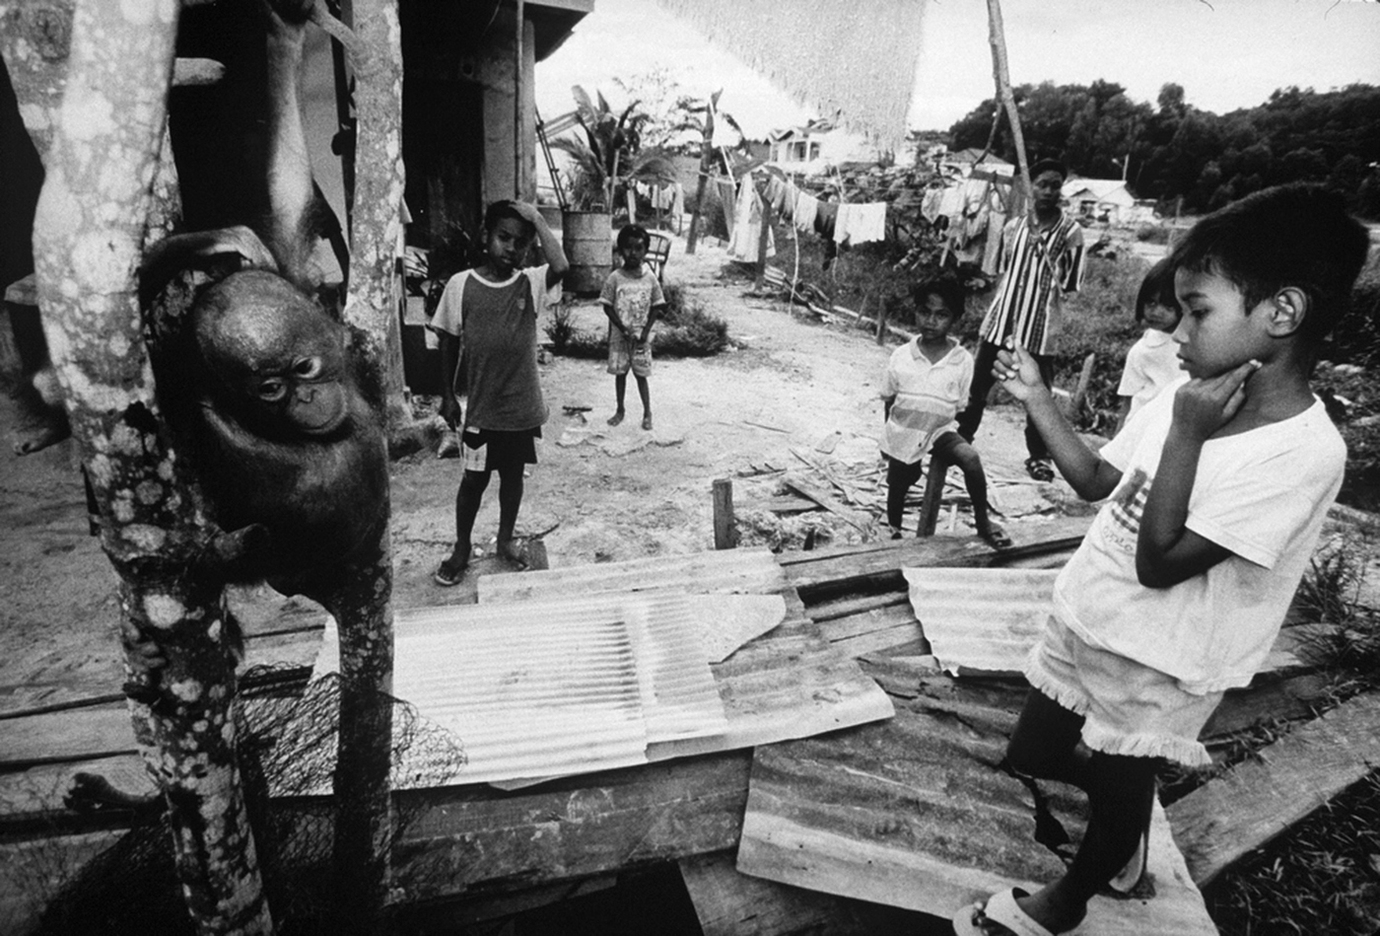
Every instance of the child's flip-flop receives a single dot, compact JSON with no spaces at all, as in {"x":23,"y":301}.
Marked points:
{"x":448,"y":573}
{"x":996,"y":537}
{"x":1001,"y":916}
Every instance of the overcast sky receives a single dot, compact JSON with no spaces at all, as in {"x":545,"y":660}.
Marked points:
{"x":1229,"y":54}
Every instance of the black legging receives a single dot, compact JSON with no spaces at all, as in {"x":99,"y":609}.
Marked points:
{"x":983,"y":379}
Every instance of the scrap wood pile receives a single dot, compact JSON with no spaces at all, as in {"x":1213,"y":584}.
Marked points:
{"x":844,"y":477}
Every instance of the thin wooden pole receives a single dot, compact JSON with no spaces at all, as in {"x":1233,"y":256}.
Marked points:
{"x":1001,"y":72}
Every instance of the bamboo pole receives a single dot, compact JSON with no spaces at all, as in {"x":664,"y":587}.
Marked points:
{"x":1001,"y":73}
{"x":89,"y":233}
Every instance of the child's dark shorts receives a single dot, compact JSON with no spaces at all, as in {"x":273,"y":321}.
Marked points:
{"x":496,"y":449}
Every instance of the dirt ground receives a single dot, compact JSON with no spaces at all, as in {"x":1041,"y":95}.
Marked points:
{"x":610,"y":493}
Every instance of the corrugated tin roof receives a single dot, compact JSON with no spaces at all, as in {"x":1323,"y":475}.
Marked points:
{"x":539,"y":689}
{"x":981,"y":619}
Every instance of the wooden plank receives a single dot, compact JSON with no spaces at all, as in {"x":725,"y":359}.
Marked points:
{"x":1259,"y":798}
{"x":725,"y":530}
{"x":914,"y":813}
{"x":884,"y":617}
{"x":78,"y":734}
{"x":856,"y":604}
{"x":902,"y":635}
{"x":1267,"y":699}
{"x":729,"y":903}
{"x":857,"y":520}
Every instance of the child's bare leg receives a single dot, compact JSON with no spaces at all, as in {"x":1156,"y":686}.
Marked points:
{"x":620,"y":390}
{"x":1121,"y":793}
{"x":467,"y":500}
{"x":645,"y":392}
{"x":956,"y":450}
{"x":900,"y":478}
{"x":510,"y":489}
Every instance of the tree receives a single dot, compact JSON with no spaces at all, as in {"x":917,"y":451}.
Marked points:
{"x":610,"y":154}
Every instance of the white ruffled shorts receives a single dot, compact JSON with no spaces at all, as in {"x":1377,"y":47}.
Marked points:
{"x":1128,"y":707}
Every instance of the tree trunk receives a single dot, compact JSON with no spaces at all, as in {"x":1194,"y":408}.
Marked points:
{"x":88,"y":235}
{"x":706,"y":160}
{"x":364,"y":611}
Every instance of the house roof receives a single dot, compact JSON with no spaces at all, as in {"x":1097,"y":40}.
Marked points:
{"x":553,"y":21}
{"x":818,"y":125}
{"x":1098,"y":189}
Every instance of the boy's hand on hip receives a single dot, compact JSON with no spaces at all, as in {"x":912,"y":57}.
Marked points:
{"x":1204,"y":405}
{"x":1018,"y":372}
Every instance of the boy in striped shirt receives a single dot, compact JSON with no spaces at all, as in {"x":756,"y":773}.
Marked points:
{"x":1041,"y":259}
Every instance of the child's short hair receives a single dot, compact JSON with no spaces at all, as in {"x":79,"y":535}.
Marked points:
{"x":1157,"y":289}
{"x":1048,"y":165}
{"x":504,"y":208}
{"x":633,"y":232}
{"x":944,"y":285}
{"x":1296,"y":235}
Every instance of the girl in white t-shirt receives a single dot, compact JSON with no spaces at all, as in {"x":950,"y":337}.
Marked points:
{"x":1153,"y":361}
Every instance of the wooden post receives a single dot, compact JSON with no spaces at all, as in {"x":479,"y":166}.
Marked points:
{"x":881,"y":323}
{"x":725,"y":526}
{"x":934,"y":493}
{"x":1080,"y":393}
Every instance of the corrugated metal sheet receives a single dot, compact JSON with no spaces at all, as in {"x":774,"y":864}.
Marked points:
{"x":540,"y":689}
{"x":915,"y":812}
{"x":981,"y":619}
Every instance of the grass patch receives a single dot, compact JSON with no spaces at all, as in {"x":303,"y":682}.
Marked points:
{"x":1321,"y":877}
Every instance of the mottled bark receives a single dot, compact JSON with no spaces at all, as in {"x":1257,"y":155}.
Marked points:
{"x":364,"y":613}
{"x":88,"y":236}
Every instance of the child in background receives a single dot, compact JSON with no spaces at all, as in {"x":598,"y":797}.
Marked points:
{"x":631,"y":298}
{"x":490,"y":315}
{"x":926,"y":381}
{"x":1152,"y":362}
{"x":1218,"y":490}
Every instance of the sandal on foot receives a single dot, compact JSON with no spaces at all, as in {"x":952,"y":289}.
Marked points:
{"x":510,"y":550}
{"x":449,"y":573}
{"x":1040,"y":469}
{"x":1128,"y":880}
{"x":996,"y":537}
{"x":1001,"y":915}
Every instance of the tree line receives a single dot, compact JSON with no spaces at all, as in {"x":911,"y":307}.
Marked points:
{"x":1194,"y":160}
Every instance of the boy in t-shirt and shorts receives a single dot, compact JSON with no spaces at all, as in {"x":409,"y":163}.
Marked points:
{"x":490,"y":315}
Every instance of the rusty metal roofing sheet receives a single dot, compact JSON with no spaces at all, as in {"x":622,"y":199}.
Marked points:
{"x":914,"y":812}
{"x":981,"y":619}
{"x":539,"y":689}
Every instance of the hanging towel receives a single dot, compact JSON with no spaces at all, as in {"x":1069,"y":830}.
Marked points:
{"x":728,"y":199}
{"x":841,"y":222}
{"x":788,"y":203}
{"x":864,"y":223}
{"x":806,"y":207}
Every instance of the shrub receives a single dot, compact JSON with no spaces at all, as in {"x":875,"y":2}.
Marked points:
{"x":686,"y":330}
{"x":1152,"y":234}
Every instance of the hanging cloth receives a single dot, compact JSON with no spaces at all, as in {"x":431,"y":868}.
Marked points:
{"x":747,"y":224}
{"x":806,"y":207}
{"x":857,"y":59}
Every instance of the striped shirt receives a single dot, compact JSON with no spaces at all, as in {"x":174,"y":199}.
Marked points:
{"x":1028,"y":303}
{"x":925,"y":398}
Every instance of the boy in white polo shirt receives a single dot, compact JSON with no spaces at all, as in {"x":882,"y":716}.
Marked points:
{"x":926,"y":381}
